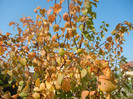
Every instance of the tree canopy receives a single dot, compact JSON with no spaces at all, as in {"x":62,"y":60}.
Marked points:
{"x":72,"y":60}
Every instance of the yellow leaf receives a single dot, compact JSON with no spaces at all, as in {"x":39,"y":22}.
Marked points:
{"x":83,"y":72}
{"x":42,"y":86}
{"x":60,"y":78}
{"x":66,"y":86}
{"x":37,"y":83}
{"x":49,"y":86}
{"x":106,"y":86}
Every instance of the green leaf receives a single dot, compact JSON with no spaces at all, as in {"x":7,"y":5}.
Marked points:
{"x":21,"y":83}
{"x":61,"y":52}
{"x":79,"y":18}
{"x":1,"y":82}
{"x":124,"y":93}
{"x":84,"y":12}
{"x":81,"y":26}
{"x":23,"y":94}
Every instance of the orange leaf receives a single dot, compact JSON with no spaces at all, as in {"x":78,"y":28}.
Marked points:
{"x":26,"y":48}
{"x":84,"y":94}
{"x":57,"y":8}
{"x":11,"y":23}
{"x":31,"y":55}
{"x":51,"y":18}
{"x":7,"y":34}
{"x":61,"y":1}
{"x":39,"y":23}
{"x":1,"y":42}
{"x":48,"y":0}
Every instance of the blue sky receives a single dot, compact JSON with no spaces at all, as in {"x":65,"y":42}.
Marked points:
{"x":110,"y":11}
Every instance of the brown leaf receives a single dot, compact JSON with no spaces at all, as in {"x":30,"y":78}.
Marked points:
{"x":57,"y":8}
{"x":66,"y":86}
{"x":109,"y":39}
{"x":107,"y":46}
{"x":66,"y":17}
{"x":96,"y":0}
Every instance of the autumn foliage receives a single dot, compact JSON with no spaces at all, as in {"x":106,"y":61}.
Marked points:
{"x":72,"y":60}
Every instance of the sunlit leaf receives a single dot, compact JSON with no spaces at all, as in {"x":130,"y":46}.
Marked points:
{"x":106,"y":85}
{"x":36,"y":95}
{"x":83,"y":72}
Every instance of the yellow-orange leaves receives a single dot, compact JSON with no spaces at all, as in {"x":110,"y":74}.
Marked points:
{"x":106,"y":85}
{"x":66,"y":86}
{"x":57,"y":8}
